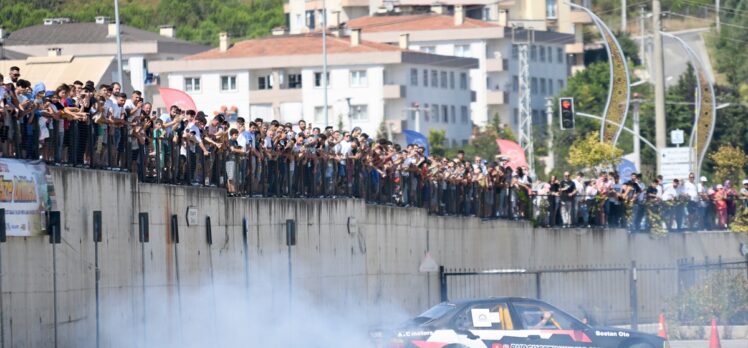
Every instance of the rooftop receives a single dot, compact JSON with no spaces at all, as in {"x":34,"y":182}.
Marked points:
{"x":429,"y":21}
{"x":289,"y":45}
{"x":81,"y":33}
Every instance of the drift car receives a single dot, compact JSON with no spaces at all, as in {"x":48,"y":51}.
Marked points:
{"x":510,"y":323}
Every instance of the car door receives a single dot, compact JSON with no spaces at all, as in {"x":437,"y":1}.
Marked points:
{"x":543,"y":324}
{"x":482,"y":324}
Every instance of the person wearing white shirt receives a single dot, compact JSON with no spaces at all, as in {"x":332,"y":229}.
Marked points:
{"x":691,"y":191}
{"x":672,"y":194}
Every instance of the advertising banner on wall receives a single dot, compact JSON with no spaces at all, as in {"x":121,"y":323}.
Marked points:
{"x":26,"y":193}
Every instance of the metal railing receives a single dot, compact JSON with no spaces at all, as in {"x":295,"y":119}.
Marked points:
{"x":166,"y":157}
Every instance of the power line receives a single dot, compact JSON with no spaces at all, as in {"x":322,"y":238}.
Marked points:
{"x":705,"y":20}
{"x":714,"y":8}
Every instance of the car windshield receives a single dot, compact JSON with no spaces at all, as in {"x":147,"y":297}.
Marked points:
{"x":435,"y":312}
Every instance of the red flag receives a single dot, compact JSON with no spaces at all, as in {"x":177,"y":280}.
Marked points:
{"x":176,"y":97}
{"x":514,"y":152}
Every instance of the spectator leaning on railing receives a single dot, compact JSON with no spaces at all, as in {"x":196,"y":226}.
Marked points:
{"x":99,"y":126}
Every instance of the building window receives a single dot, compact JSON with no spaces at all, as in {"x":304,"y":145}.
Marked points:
{"x":319,"y":114}
{"x":294,"y":81}
{"x":550,"y":87}
{"x":358,"y":78}
{"x":434,"y":78}
{"x":428,"y":49}
{"x":550,"y":54}
{"x":515,"y":114}
{"x":515,"y":52}
{"x":192,"y":84}
{"x":452,"y":114}
{"x":533,"y":53}
{"x":228,"y":83}
{"x":451,"y":80}
{"x":265,"y":82}
{"x":462,"y":51}
{"x":515,"y":83}
{"x":550,"y":9}
{"x":463,"y":81}
{"x":464,"y":114}
{"x":318,"y":79}
{"x":542,"y":86}
{"x":426,"y":112}
{"x":560,"y":55}
{"x":445,"y":114}
{"x":359,"y":112}
{"x":542,"y":53}
{"x":310,"y":22}
{"x":435,"y":112}
{"x":425,"y":78}
{"x":534,"y":85}
{"x":414,"y":77}
{"x":443,"y":78}
{"x":560,"y":85}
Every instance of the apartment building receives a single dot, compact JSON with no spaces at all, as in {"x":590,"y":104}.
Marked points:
{"x":375,"y":86}
{"x":496,"y":80}
{"x":541,"y":15}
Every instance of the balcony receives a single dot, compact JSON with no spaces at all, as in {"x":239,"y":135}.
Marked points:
{"x":580,"y":17}
{"x":575,"y":48}
{"x":393,"y":91}
{"x":496,"y":64}
{"x":494,"y":97}
{"x":268,"y":96}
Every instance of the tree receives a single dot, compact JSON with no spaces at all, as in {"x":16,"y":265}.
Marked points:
{"x":729,"y":162}
{"x":437,"y":139}
{"x":591,"y":153}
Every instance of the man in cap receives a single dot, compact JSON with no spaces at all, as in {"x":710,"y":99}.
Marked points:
{"x":744,"y":193}
{"x":706,"y":208}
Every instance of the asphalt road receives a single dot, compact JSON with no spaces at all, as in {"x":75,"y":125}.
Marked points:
{"x":705,"y":344}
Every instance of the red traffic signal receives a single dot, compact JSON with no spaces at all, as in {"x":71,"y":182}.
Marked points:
{"x":566,"y":113}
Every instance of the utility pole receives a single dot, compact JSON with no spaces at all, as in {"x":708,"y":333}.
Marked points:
{"x":716,"y":8}
{"x":624,"y":8}
{"x":119,"y":43}
{"x":642,"y":50}
{"x":525,"y":114}
{"x":324,"y":63}
{"x":635,"y":103}
{"x":549,"y":122}
{"x":659,"y":77}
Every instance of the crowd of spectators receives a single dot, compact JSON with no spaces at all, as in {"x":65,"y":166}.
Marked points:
{"x":100,"y":127}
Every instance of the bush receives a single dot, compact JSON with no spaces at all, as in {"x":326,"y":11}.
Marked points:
{"x":723,"y":296}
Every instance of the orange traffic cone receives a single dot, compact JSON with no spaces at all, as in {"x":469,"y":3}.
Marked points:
{"x":662,"y":329}
{"x":714,"y":340}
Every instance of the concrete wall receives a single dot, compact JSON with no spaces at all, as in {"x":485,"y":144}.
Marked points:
{"x":368,"y":266}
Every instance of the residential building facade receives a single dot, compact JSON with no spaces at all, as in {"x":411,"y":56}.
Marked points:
{"x":384,"y":89}
{"x":98,"y":39}
{"x":496,"y":80}
{"x":541,"y":15}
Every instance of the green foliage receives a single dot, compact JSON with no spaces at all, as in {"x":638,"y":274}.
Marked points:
{"x":195,"y":20}
{"x":723,"y":296}
{"x":483,"y":143}
{"x":740,"y":222}
{"x":592,"y":154}
{"x":729,"y":162}
{"x":437,"y":139}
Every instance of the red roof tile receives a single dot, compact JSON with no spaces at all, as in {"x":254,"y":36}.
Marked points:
{"x":293,"y":45}
{"x":373,"y":24}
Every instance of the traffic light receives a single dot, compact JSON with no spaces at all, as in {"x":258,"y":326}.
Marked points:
{"x":566,"y":108}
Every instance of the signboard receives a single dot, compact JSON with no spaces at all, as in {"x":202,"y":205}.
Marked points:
{"x":676,"y":137}
{"x":26,"y":193}
{"x":191,"y":216}
{"x":676,"y":163}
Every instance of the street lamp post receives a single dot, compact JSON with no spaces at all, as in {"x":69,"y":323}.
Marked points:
{"x":119,"y":42}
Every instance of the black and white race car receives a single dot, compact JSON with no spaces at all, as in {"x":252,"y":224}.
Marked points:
{"x":510,"y":323}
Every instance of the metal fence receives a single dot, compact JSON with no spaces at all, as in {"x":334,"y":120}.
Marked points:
{"x":603,"y":295}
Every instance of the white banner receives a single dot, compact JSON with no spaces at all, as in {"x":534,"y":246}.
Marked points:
{"x":25,"y":196}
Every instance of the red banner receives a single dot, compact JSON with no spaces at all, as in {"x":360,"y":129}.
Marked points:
{"x":513,"y":152}
{"x":176,"y":97}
